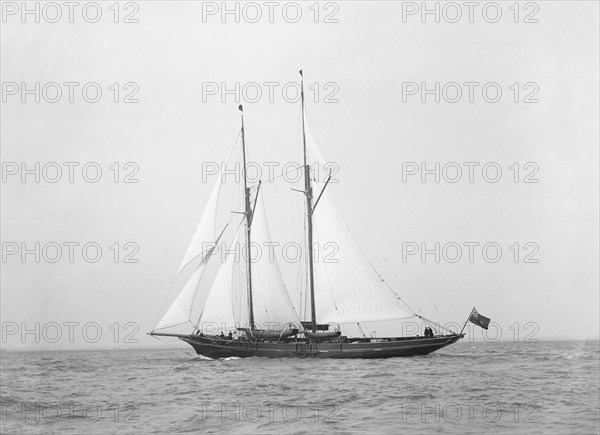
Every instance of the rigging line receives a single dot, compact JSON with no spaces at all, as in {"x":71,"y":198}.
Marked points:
{"x":168,"y":343}
{"x":330,"y":287}
{"x":303,"y":281}
{"x":237,"y":301}
{"x":272,"y":144}
{"x":275,"y":262}
{"x":306,"y":267}
{"x":261,"y":286}
{"x":280,"y":132}
{"x":377,"y":247}
{"x":361,"y":250}
{"x":361,"y":330}
{"x":300,"y":233}
{"x":380,"y":218}
{"x":299,"y":168}
{"x":303,"y":236}
{"x":296,"y":158}
{"x":222,"y":265}
{"x":206,"y":255}
{"x":231,"y":296}
{"x":295,"y":231}
{"x":229,"y":282}
{"x":209,"y":254}
{"x":369,"y":262}
{"x":367,"y":259}
{"x":382,"y":256}
{"x":285,"y":288}
{"x":275,"y":142}
{"x":235,"y":142}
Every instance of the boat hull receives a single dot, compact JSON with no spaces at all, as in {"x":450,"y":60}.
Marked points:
{"x":218,"y":348}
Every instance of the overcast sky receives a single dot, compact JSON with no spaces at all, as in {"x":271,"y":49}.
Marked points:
{"x":373,"y":128}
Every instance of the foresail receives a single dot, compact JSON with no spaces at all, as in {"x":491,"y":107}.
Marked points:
{"x":273,"y":307}
{"x":347,"y":289}
{"x":227,"y":303}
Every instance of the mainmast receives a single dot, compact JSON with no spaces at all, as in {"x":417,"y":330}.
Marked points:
{"x":248,"y":213}
{"x":309,"y":211}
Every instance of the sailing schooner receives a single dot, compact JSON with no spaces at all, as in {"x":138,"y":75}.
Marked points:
{"x":341,"y":293}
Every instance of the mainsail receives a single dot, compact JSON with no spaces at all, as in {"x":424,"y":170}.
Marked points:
{"x":347,"y":289}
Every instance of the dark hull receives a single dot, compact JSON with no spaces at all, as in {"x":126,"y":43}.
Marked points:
{"x":217,"y":348}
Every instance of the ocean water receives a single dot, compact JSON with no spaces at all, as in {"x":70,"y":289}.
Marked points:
{"x":549,"y":387}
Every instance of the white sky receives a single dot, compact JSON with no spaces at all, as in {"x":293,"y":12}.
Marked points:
{"x":369,"y":53}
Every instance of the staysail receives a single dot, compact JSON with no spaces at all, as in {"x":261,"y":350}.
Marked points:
{"x":219,"y":313}
{"x":273,"y":307}
{"x":180,"y":309}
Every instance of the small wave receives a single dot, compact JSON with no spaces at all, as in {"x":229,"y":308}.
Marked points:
{"x":202,"y":358}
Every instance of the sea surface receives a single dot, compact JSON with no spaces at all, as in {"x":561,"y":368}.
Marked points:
{"x":549,"y":387}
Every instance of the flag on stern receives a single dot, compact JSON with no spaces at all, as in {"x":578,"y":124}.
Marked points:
{"x":478,"y":319}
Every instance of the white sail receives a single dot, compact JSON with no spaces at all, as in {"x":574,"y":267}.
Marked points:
{"x":180,"y":309}
{"x":218,"y":310}
{"x":347,"y":289}
{"x":273,"y":307}
{"x":205,"y":230}
{"x":195,"y":259}
{"x":227,"y":302}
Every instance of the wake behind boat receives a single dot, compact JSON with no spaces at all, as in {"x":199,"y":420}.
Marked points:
{"x":339,"y":294}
